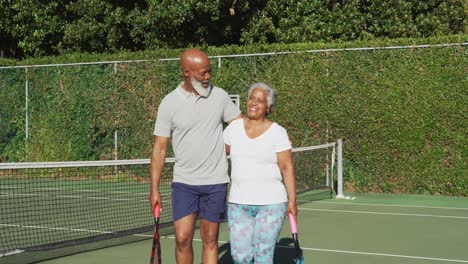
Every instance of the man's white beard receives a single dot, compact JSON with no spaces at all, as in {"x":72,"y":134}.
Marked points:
{"x":202,"y":91}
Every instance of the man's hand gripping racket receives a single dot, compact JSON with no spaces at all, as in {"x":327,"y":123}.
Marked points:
{"x":299,"y":257}
{"x":156,"y":248}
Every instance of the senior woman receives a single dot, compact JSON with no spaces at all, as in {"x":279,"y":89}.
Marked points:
{"x":263,"y":183}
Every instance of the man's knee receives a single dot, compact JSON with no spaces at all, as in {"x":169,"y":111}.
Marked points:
{"x":210,"y":239}
{"x":184,"y":240}
{"x":209,"y":233}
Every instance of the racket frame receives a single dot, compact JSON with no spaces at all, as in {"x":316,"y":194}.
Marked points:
{"x":156,"y":247}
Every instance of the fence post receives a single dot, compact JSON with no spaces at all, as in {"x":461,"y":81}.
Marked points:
{"x":116,"y":155}
{"x":339,"y":188}
{"x":26,"y":95}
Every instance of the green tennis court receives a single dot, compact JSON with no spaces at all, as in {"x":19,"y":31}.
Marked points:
{"x":372,"y":228}
{"x":98,"y":212}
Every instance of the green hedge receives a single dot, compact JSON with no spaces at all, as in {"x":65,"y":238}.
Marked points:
{"x":401,"y":112}
{"x":233,"y":49}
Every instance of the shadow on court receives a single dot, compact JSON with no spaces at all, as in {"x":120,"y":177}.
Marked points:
{"x":283,"y":255}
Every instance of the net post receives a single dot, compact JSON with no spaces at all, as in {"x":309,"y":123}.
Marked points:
{"x":339,"y":194}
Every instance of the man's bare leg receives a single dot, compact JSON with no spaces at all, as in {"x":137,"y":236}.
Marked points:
{"x":209,"y":233}
{"x":184,"y":229}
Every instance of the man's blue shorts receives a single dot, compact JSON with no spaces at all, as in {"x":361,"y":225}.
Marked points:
{"x":208,"y":200}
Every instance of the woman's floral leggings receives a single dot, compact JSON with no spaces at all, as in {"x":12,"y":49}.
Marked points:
{"x":253,"y":231}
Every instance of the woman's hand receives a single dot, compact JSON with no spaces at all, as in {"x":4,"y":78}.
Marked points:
{"x":292,"y":209}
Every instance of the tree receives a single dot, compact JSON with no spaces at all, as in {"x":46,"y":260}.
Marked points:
{"x":35,"y":28}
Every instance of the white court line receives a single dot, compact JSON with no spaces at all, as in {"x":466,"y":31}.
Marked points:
{"x":17,"y":194}
{"x":381,"y":213}
{"x":395,"y":205}
{"x":350,"y":252}
{"x":379,"y":254}
{"x":70,"y":197}
{"x":59,"y":228}
{"x":107,"y":198}
{"x":13,"y":252}
{"x":73,"y":190}
{"x":5,"y":195}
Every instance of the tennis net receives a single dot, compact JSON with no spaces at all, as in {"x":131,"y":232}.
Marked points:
{"x":50,"y":205}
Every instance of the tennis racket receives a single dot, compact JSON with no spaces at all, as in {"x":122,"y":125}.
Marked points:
{"x":299,"y":257}
{"x":156,"y":248}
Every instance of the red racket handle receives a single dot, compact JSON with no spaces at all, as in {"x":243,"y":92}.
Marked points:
{"x":293,"y":223}
{"x":157,"y":211}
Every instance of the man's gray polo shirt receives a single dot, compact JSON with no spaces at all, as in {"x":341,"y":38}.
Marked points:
{"x":195,"y":125}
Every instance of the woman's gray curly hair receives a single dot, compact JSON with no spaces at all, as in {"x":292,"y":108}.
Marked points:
{"x":272,"y":96}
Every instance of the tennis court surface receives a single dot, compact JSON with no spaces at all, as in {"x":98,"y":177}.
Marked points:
{"x":372,"y":228}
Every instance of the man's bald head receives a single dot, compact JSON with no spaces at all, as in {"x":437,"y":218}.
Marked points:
{"x":192,"y":58}
{"x":196,"y":69}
